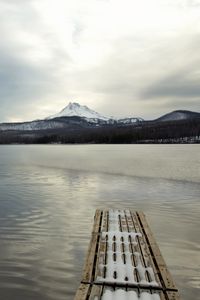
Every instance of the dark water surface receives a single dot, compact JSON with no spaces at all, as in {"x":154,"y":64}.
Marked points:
{"x":48,"y":196}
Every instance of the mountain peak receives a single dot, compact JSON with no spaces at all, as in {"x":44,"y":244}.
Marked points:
{"x":75,"y":109}
{"x":73,"y":104}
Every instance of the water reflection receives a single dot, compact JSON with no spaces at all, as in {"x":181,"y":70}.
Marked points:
{"x":47,"y":205}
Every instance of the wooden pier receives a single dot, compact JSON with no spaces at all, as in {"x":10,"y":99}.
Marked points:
{"x":124,"y":261}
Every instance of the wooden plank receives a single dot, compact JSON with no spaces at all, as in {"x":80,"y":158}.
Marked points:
{"x":164,"y":273}
{"x":101,"y":257}
{"x":87,"y":292}
{"x":168,"y":295}
{"x":123,"y":222}
{"x":144,"y":249}
{"x":146,"y":246}
{"x":105,"y":217}
{"x":97,"y":221}
{"x":101,"y":251}
{"x":173,"y":295}
{"x":129,"y":222}
{"x":96,"y":292}
{"x":141,"y":247}
{"x":82,"y":292}
{"x":163,"y":296}
{"x":88,"y":270}
{"x":88,"y":275}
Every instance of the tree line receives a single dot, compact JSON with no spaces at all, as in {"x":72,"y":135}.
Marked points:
{"x":181,"y":131}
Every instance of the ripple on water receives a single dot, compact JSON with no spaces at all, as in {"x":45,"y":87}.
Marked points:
{"x":48,"y":200}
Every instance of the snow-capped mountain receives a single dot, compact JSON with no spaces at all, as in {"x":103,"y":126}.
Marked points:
{"x":75,"y":109}
{"x":75,"y":116}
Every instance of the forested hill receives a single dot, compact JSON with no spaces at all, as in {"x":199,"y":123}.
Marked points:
{"x":172,"y":131}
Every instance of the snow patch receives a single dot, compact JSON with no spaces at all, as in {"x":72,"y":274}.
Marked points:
{"x":121,"y":294}
{"x":124,"y":263}
{"x":75,"y":109}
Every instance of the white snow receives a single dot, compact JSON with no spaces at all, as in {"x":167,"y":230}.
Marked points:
{"x":121,"y":294}
{"x":121,"y":255}
{"x":71,"y":110}
{"x":75,"y":109}
{"x":29,"y":126}
{"x":121,"y":247}
{"x":130,"y":120}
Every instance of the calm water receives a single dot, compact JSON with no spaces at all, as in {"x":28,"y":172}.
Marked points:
{"x":48,"y":196}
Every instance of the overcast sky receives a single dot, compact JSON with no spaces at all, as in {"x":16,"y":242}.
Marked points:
{"x":119,"y":57}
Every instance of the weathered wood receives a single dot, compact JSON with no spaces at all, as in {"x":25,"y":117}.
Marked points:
{"x":144,"y":249}
{"x":95,"y":292}
{"x":82,"y":292}
{"x":87,"y":292}
{"x":101,"y":257}
{"x":90,"y":263}
{"x":97,"y":221}
{"x":128,"y":225}
{"x":105,"y":221}
{"x":173,"y":295}
{"x":156,"y":254}
{"x":88,"y":269}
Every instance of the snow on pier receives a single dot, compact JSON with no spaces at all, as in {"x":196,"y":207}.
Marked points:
{"x":124,"y":261}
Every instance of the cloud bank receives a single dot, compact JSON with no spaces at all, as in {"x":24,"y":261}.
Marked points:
{"x":119,"y":57}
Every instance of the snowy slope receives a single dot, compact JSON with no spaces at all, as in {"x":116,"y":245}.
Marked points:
{"x":29,"y":126}
{"x":76,"y":115}
{"x":75,"y":109}
{"x":130,"y":121}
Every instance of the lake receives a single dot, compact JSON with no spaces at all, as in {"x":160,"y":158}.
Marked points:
{"x":48,"y":197}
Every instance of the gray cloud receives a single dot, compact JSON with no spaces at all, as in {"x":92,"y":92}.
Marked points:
{"x":24,"y":80}
{"x":22,"y":84}
{"x":181,"y":84}
{"x":193,"y":3}
{"x":50,"y":57}
{"x":168,"y":78}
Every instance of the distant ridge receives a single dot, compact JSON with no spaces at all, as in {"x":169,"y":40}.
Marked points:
{"x":75,"y":116}
{"x":78,"y":124}
{"x":177,"y":115}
